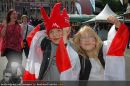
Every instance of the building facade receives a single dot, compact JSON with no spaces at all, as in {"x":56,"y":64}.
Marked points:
{"x":5,"y":5}
{"x":32,"y":7}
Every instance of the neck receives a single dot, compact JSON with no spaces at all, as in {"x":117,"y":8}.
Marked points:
{"x":12,"y":22}
{"x":24,"y":23}
{"x":92,"y":54}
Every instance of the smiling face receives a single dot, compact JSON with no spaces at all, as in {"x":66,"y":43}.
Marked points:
{"x":87,"y":41}
{"x":24,"y":19}
{"x":55,"y":35}
{"x":13,"y":16}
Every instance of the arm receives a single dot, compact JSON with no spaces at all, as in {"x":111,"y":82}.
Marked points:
{"x":119,"y":42}
{"x":114,"y":55}
{"x":114,"y":20}
{"x":3,"y":29}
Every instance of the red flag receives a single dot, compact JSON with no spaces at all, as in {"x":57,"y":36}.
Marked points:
{"x":119,"y":42}
{"x":62,"y":59}
{"x":28,"y":76}
{"x":34,"y":60}
{"x":32,"y":33}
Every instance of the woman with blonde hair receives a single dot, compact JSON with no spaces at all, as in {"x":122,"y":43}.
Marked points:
{"x":87,"y":43}
{"x":102,"y":60}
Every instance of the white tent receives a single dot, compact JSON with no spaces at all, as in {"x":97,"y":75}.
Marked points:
{"x":102,"y":16}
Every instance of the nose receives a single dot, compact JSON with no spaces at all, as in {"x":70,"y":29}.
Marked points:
{"x":55,"y":34}
{"x":87,"y":41}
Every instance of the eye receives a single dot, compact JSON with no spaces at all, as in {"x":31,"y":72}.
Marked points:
{"x":59,"y":30}
{"x":51,"y":32}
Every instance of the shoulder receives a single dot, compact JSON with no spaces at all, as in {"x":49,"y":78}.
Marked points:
{"x":30,"y":26}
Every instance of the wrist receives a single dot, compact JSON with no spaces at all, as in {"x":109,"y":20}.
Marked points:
{"x":117,"y":23}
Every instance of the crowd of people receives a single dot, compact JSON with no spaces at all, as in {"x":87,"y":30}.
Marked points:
{"x":53,"y":56}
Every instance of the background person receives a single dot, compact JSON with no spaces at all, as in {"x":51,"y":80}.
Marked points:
{"x":27,"y":28}
{"x":12,"y":34}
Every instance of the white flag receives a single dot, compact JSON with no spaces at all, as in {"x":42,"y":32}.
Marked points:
{"x":93,"y":4}
{"x":121,"y":2}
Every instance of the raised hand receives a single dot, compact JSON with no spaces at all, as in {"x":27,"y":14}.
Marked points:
{"x":114,"y":20}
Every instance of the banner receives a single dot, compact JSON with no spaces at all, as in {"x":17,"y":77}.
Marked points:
{"x":93,"y":4}
{"x":121,"y":2}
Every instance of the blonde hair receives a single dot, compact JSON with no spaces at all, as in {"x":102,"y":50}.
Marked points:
{"x":76,"y":42}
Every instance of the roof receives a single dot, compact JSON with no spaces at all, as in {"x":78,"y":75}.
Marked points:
{"x":102,"y":16}
{"x":80,"y":18}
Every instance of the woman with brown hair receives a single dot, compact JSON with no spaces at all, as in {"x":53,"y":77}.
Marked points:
{"x":102,"y":60}
{"x":12,"y":33}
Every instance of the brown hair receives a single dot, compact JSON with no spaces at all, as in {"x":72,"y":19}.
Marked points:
{"x":8,"y":19}
{"x":76,"y":41}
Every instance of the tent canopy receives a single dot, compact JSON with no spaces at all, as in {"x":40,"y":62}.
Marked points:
{"x":102,"y":16}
